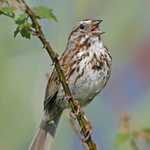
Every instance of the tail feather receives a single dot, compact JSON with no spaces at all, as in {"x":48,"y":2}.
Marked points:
{"x":39,"y":141}
{"x":44,"y":138}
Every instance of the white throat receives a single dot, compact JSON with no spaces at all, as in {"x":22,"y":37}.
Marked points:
{"x":95,"y":41}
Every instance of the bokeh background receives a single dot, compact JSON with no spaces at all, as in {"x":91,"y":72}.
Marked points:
{"x":24,"y":64}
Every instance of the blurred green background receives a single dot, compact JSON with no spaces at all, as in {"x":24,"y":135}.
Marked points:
{"x":24,"y":64}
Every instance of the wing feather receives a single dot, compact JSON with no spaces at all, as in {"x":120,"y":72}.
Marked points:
{"x":51,"y":91}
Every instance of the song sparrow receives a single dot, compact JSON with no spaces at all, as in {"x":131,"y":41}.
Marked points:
{"x":86,"y":63}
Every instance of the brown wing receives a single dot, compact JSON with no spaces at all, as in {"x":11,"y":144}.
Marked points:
{"x":51,"y":90}
{"x":53,"y":84}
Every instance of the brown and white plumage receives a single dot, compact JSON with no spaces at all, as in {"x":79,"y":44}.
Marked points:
{"x":87,"y":67}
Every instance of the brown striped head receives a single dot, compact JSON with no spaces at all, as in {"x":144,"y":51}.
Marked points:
{"x":86,"y":28}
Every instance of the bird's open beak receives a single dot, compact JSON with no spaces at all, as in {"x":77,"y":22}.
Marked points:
{"x":95,"y":26}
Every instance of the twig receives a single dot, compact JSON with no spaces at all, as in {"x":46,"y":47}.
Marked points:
{"x":125,"y":128}
{"x":75,"y":107}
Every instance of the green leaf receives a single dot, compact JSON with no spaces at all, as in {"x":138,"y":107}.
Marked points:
{"x":24,"y":30}
{"x":25,"y":34}
{"x":16,"y":31}
{"x":7,"y":11}
{"x":21,"y":19}
{"x":121,"y":138}
{"x":43,"y":12}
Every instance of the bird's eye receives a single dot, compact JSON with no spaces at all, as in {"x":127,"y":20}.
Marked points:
{"x":82,"y":26}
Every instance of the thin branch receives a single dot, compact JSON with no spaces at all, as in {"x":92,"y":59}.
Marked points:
{"x":75,"y":107}
{"x":126,"y":128}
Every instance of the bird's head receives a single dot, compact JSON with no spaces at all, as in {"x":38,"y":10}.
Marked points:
{"x":85,"y":29}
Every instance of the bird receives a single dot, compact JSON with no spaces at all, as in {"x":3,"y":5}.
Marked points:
{"x":87,"y":65}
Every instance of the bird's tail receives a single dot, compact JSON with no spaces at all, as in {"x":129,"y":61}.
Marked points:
{"x":44,"y":137}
